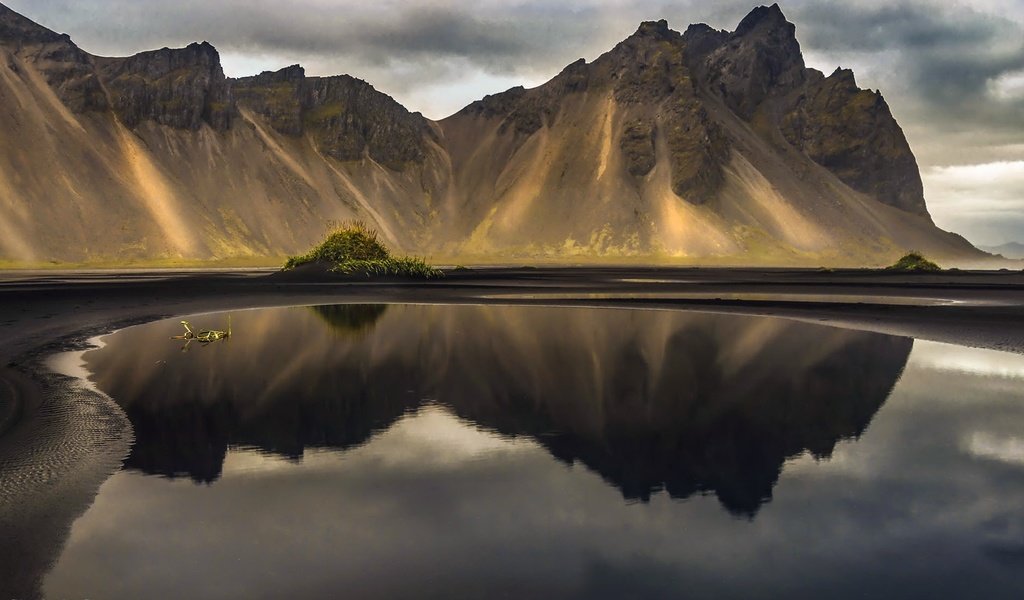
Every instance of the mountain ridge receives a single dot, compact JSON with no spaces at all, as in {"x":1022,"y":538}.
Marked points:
{"x":699,"y":146}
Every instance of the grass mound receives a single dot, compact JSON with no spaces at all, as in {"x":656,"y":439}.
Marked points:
{"x":914,"y":262}
{"x":354,"y":249}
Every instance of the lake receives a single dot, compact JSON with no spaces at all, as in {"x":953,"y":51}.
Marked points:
{"x":426,"y":451}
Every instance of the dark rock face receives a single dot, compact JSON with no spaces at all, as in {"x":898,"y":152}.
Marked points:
{"x":649,"y":68}
{"x":72,"y":74}
{"x":852,"y":133}
{"x":180,"y":88}
{"x":275,"y":95}
{"x":759,"y":60}
{"x":699,"y":150}
{"x":758,"y":71}
{"x":346,"y":116}
{"x":638,"y":146}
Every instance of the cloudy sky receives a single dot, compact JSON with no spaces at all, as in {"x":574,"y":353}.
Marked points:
{"x":952,"y":71}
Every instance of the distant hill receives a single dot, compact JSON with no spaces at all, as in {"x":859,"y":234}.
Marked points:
{"x":1009,"y":250}
{"x":703,"y":146}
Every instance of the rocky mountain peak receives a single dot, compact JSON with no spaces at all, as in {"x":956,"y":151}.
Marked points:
{"x":181,"y":88}
{"x":763,"y":18}
{"x":657,"y":30}
{"x":845,"y":76}
{"x":761,"y":59}
{"x":346,"y":117}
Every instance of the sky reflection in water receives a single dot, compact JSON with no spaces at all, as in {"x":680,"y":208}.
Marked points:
{"x":419,"y":451}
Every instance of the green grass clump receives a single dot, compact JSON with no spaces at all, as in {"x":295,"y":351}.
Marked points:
{"x":345,"y":242}
{"x":354,"y":249}
{"x":389,"y":267}
{"x":914,"y":262}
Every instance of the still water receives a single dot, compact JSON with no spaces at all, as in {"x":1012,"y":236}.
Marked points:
{"x":529,"y":452}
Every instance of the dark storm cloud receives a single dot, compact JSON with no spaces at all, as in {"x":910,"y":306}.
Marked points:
{"x":944,"y":61}
{"x":494,"y":36}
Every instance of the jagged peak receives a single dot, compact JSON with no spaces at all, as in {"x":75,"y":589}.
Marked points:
{"x":293,"y":71}
{"x":763,"y":17}
{"x":659,"y":27}
{"x":701,"y":29}
{"x":654,"y":30}
{"x":203,"y":46}
{"x":844,"y":75}
{"x":576,"y":64}
{"x":701,"y":38}
{"x":203,"y":51}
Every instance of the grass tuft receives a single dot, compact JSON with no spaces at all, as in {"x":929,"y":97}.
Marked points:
{"x":353,"y":249}
{"x":914,"y":262}
{"x":389,"y":267}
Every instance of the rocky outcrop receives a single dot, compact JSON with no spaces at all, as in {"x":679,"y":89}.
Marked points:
{"x":759,"y":72}
{"x":758,"y":61}
{"x":276,"y":95}
{"x":649,"y":69}
{"x":181,"y":88}
{"x":637,"y":144}
{"x":852,"y":133}
{"x":346,"y":116}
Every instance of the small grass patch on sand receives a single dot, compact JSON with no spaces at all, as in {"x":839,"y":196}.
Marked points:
{"x":355,"y":250}
{"x":914,"y":262}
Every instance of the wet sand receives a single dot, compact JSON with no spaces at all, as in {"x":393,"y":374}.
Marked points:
{"x":46,"y":312}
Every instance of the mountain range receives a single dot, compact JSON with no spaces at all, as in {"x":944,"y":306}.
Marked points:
{"x":705,"y":146}
{"x":1011,"y":250}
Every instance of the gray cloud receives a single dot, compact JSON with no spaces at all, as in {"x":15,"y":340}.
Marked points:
{"x":936,"y":63}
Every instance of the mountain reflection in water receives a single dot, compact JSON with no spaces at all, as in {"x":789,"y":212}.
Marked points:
{"x":681,"y":402}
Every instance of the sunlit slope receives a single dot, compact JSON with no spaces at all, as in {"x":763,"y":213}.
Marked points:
{"x":637,"y":154}
{"x":702,"y":147}
{"x":78,"y":187}
{"x":149,"y":157}
{"x":566,"y":190}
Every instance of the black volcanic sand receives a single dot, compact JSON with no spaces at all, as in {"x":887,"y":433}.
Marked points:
{"x":83,"y":437}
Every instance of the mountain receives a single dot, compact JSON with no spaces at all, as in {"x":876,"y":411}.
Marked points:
{"x":1014,"y":250}
{"x":702,"y":146}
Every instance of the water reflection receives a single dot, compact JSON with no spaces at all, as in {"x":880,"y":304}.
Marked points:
{"x":681,"y":402}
